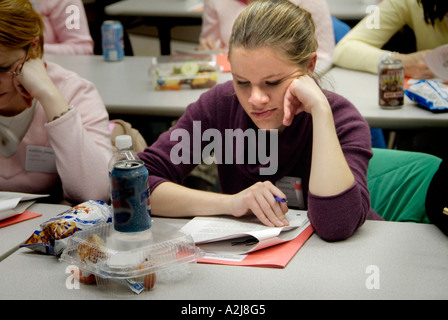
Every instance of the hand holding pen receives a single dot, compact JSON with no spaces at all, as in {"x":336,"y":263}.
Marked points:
{"x":278,"y":199}
{"x":263,"y":199}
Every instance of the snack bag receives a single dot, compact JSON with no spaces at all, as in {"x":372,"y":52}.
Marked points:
{"x":52,"y":236}
{"x":429,"y":94}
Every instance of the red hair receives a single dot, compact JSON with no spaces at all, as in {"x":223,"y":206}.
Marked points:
{"x":20,"y":24}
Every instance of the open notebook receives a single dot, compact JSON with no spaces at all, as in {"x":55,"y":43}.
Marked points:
{"x":245,"y":241}
{"x":15,"y":203}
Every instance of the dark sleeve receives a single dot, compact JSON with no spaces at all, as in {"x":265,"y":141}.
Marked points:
{"x":337,"y":217}
{"x":437,"y":198}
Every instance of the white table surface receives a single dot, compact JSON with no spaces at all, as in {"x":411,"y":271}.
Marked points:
{"x":350,"y":9}
{"x":126,"y":87}
{"x":162,"y":14}
{"x":341,"y":9}
{"x":411,"y":261}
{"x":361,"y":89}
{"x":166,"y":8}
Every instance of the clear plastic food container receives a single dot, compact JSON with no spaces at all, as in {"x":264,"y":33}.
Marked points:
{"x":132,"y":262}
{"x":185,"y":71}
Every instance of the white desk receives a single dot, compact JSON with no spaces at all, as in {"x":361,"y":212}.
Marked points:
{"x":362,"y":90}
{"x":350,"y":9}
{"x":162,"y":14}
{"x":167,"y":8}
{"x":410,"y":260}
{"x":126,"y":86}
{"x":341,"y":9}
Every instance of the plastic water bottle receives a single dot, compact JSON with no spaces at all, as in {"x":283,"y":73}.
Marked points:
{"x":131,"y":209}
{"x":124,"y":151}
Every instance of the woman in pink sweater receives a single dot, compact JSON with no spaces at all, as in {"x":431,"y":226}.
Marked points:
{"x":66,"y":28}
{"x":53,"y":124}
{"x":219,"y":15}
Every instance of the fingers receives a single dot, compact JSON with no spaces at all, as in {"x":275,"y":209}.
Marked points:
{"x":290,"y":104}
{"x":28,"y":99}
{"x":426,"y":73}
{"x":271,"y":212}
{"x":209,"y":44}
{"x":262,"y":204}
{"x":34,"y":81}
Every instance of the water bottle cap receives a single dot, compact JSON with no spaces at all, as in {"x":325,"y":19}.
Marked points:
{"x":123,"y":142}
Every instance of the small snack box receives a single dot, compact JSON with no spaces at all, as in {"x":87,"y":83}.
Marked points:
{"x":184,"y":71}
{"x":123,"y":263}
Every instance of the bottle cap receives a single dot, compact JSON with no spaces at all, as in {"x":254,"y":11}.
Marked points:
{"x":123,"y":142}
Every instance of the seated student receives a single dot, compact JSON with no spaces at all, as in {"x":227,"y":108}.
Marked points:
{"x":361,"y":49}
{"x":218,"y":18}
{"x":314,"y":135}
{"x":53,"y":124}
{"x":66,"y":28}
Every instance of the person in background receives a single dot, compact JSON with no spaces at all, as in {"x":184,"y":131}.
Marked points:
{"x":316,"y":135}
{"x":219,"y":15}
{"x":54,"y":127}
{"x":66,"y":28}
{"x":361,"y":49}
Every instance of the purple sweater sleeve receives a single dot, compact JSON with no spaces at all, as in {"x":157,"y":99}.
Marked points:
{"x":339,"y":216}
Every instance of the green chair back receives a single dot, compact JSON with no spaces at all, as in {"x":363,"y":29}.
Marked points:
{"x":398,"y":182}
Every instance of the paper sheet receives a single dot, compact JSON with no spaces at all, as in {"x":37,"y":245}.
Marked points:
{"x":227,"y":235}
{"x":437,"y":61}
{"x":14,"y":203}
{"x":210,"y":229}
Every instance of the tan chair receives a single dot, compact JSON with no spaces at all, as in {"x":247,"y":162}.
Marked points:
{"x":119,"y":127}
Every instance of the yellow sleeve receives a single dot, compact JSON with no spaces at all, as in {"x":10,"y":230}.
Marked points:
{"x":361,"y":49}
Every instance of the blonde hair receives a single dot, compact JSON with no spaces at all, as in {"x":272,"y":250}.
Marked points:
{"x":278,"y":24}
{"x":20,"y":24}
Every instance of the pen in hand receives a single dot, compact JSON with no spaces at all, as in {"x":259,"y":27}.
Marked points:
{"x":280,"y":199}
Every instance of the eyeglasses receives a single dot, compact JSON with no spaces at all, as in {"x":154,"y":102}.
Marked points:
{"x":16,"y":73}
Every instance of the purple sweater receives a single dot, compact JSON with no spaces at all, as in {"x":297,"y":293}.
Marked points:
{"x":333,"y":218}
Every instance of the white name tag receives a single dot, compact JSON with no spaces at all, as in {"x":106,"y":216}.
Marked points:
{"x":292,"y":188}
{"x":40,"y":159}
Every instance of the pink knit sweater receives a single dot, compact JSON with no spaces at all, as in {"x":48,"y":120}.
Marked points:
{"x":80,"y":141}
{"x":66,"y":27}
{"x":219,"y":16}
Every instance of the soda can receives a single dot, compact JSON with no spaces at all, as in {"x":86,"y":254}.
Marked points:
{"x":391,"y":83}
{"x":112,"y":40}
{"x":130,"y":196}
